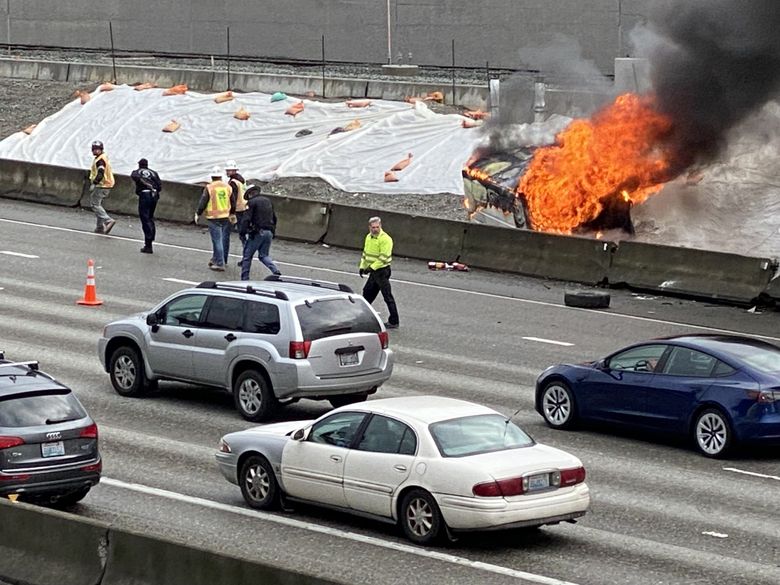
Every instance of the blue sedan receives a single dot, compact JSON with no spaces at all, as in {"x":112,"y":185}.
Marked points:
{"x":718,"y":389}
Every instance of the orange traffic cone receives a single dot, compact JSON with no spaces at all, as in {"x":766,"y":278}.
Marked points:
{"x":90,"y":294}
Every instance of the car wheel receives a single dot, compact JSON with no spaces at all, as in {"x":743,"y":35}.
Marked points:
{"x":558,"y":406}
{"x":345,"y":399}
{"x":420,"y":517}
{"x":254,"y":399}
{"x":258,"y":484}
{"x":70,"y":499}
{"x":712,"y":433}
{"x":127,"y":372}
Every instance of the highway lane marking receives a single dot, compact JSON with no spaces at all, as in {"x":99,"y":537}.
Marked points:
{"x":751,"y":473}
{"x":550,"y":341}
{"x":715,"y":534}
{"x":421,"y":284}
{"x":291,"y":522}
{"x":9,"y":253}
{"x":180,"y":281}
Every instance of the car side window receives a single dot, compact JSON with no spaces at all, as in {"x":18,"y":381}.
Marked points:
{"x":638,"y":359}
{"x":183,"y":311}
{"x":262,"y":318}
{"x":722,"y":369}
{"x":689,"y":362}
{"x":224,"y":313}
{"x":338,"y":429}
{"x":385,"y":435}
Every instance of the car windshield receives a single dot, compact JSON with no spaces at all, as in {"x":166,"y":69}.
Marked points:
{"x":330,"y":317}
{"x":762,"y":358}
{"x":472,"y":435}
{"x":37,"y":409}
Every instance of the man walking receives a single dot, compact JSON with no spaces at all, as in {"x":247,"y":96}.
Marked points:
{"x":147,"y":187}
{"x":258,"y":229}
{"x":218,"y":205}
{"x":101,"y":181}
{"x":238,"y":186}
{"x":375,"y":262}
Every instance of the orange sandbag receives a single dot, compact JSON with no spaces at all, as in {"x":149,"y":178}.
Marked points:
{"x":171,"y":126}
{"x":107,"y":87}
{"x":435,"y":96}
{"x":413,"y":100}
{"x":390,"y":177}
{"x":471,"y":123}
{"x":353,"y":125}
{"x":358,"y":103}
{"x":402,"y":164}
{"x":84,"y":97}
{"x":176,"y":90}
{"x":29,"y":129}
{"x":143,"y":86}
{"x":242,"y":114}
{"x":476,"y":114}
{"x":223,"y":97}
{"x":294,"y":109}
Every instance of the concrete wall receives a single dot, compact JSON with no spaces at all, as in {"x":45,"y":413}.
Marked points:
{"x":494,"y":31}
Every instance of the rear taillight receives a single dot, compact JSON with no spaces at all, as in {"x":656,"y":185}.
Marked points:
{"x":768,"y":396}
{"x":299,"y":350}
{"x":7,"y":442}
{"x":94,"y":467}
{"x":90,"y":432}
{"x":223,"y":446}
{"x":572,"y":476}
{"x":15,"y":477}
{"x":384,"y":339}
{"x":505,"y":487}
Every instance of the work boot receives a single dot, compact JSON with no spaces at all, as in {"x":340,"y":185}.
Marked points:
{"x":147,"y":250}
{"x":99,"y":230}
{"x":109,"y":225}
{"x":391,"y":325}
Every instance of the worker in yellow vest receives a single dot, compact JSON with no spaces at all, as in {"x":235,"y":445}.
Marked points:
{"x":219,"y":207}
{"x":238,"y":185}
{"x":101,"y":181}
{"x":375,"y":262}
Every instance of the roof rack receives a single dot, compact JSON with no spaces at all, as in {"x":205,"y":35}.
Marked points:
{"x":309,"y":282}
{"x":33,"y":365}
{"x":249,"y":289}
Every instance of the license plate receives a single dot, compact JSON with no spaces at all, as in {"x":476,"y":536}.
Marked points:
{"x":539,"y":482}
{"x":348,"y":359}
{"x":53,"y":449}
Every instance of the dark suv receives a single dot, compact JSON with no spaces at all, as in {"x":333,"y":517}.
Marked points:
{"x":48,"y":442}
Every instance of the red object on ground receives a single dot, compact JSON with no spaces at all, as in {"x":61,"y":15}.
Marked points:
{"x":90,"y":292}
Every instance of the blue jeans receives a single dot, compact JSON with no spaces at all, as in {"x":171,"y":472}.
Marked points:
{"x":260,"y":243}
{"x":147,"y":203}
{"x":219,"y":230}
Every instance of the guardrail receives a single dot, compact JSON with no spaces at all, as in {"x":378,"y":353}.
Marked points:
{"x":663,"y":269}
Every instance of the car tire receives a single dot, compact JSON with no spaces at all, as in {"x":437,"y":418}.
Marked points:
{"x":254,"y":399}
{"x":420,"y":518}
{"x":345,"y":399}
{"x":126,"y":369}
{"x":258,"y":484}
{"x":557,"y":404}
{"x":587,"y":299}
{"x":71,"y":498}
{"x":712,"y":433}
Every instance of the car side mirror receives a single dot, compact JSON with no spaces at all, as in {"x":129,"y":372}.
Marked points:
{"x":152,"y":319}
{"x":603,"y":365}
{"x":299,"y":435}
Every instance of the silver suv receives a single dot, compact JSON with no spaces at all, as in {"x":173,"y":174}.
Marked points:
{"x":270,"y":343}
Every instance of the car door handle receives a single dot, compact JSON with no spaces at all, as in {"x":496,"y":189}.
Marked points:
{"x":187,"y":333}
{"x":230,"y":337}
{"x":335,"y":457}
{"x":399,"y":467}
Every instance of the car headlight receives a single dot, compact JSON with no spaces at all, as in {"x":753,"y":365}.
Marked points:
{"x":223,"y":446}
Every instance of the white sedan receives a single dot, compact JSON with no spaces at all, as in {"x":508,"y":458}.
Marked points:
{"x":435,"y":465}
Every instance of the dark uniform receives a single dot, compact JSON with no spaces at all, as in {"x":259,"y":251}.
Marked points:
{"x":147,"y":187}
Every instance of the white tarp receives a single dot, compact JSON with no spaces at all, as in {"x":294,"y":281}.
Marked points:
{"x":130,"y":123}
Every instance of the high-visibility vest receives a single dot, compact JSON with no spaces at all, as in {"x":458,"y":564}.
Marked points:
{"x":219,"y":200}
{"x":108,"y":176}
{"x":377,"y":251}
{"x":240,"y":201}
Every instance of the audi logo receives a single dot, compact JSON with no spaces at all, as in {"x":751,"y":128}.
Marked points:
{"x":54,"y":436}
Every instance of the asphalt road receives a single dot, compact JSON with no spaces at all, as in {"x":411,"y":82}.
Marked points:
{"x":661,"y":513}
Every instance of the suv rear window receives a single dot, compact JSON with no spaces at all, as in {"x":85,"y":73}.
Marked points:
{"x":39,"y":408}
{"x":335,"y":317}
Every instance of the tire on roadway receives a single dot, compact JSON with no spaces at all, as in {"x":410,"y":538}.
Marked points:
{"x":586,"y":299}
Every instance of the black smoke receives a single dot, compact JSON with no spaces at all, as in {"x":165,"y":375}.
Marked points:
{"x":714,"y":62}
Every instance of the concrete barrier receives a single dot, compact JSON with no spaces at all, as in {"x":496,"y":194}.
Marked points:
{"x":135,"y":559}
{"x":300,"y":219}
{"x":536,"y":254}
{"x":47,"y":547}
{"x":42,"y":183}
{"x":686,"y":271}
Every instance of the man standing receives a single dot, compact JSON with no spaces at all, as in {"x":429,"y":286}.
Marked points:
{"x":147,"y":187}
{"x":238,"y":185}
{"x":219,"y":206}
{"x":101,"y":181}
{"x":258,"y":230}
{"x":375,"y":262}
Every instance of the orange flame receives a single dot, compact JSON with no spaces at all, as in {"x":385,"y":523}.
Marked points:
{"x":621,"y":151}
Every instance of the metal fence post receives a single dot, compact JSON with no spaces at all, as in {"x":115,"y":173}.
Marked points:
{"x":113,"y":59}
{"x":323,"y":65}
{"x":453,"y":72}
{"x":228,"y":58}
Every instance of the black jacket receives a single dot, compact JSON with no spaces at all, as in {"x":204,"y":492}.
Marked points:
{"x":259,"y":215}
{"x":146,"y":180}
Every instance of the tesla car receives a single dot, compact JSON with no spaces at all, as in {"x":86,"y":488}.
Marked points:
{"x":433,"y":465}
{"x":719,"y":390}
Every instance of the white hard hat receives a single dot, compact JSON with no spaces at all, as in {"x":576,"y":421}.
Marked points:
{"x":231,"y":165}
{"x":216,"y":172}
